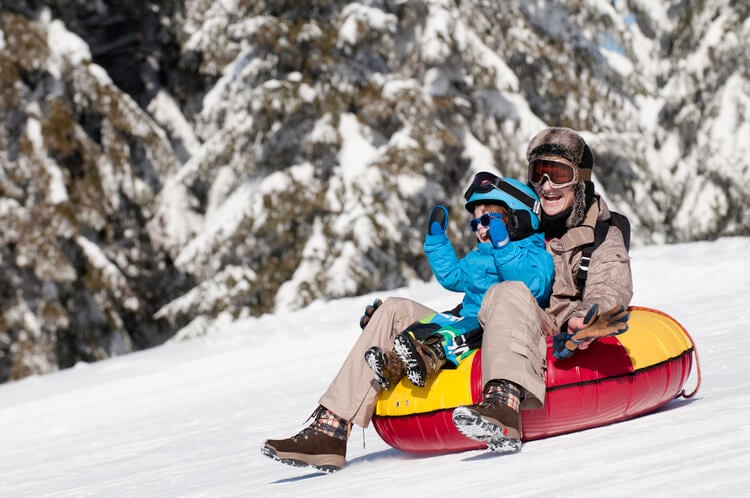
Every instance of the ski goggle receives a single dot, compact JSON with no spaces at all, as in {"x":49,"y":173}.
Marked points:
{"x":483,"y":220}
{"x":483,"y":182}
{"x":559,"y":174}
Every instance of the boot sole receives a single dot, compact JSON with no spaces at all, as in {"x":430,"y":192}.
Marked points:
{"x":376,"y":361}
{"x":323,"y":463}
{"x":415,"y":369}
{"x":472,"y":425}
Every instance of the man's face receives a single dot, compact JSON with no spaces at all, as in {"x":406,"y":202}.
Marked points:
{"x":554,"y":200}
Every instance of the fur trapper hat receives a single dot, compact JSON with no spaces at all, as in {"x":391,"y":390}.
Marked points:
{"x":561,"y":142}
{"x":570,"y":146}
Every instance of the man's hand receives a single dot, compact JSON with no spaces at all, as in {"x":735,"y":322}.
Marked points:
{"x":574,"y":325}
{"x":582,"y":332}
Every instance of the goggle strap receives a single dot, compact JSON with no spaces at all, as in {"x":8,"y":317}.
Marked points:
{"x":584,"y":175}
{"x":519,"y":194}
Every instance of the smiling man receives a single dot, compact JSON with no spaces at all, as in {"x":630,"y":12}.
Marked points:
{"x":560,"y":165}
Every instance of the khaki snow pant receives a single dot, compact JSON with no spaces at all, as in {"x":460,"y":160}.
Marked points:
{"x":514,"y":344}
{"x":514,"y":348}
{"x":354,"y":392}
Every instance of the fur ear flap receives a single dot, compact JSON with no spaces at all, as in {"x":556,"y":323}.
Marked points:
{"x":578,"y":213}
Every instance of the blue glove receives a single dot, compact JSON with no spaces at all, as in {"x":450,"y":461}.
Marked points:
{"x":559,"y":351}
{"x":438,"y":222}
{"x":498,"y":232}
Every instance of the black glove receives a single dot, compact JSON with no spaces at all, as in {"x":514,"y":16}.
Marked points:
{"x":438,"y":222}
{"x":595,"y":325}
{"x":369,"y":310}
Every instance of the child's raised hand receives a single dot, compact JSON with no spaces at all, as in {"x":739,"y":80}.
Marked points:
{"x":438,"y":222}
{"x":498,"y":232}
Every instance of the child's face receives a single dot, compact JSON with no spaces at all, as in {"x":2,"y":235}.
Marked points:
{"x":483,"y":232}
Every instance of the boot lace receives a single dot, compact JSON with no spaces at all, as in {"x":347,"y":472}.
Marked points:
{"x":325,"y":422}
{"x":502,"y":393}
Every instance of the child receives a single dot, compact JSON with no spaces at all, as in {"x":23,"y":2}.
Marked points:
{"x":510,"y":246}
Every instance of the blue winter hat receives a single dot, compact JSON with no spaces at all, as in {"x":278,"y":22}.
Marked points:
{"x":520,"y":199}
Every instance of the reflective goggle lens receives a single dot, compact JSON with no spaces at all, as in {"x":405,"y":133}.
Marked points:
{"x":483,"y":182}
{"x":559,"y":174}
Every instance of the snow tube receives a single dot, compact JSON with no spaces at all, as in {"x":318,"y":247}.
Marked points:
{"x":615,"y":379}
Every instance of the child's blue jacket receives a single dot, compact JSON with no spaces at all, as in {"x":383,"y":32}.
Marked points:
{"x":526,"y":260}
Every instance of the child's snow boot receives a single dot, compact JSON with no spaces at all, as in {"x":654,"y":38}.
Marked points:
{"x":422,"y":359}
{"x":386,"y":366}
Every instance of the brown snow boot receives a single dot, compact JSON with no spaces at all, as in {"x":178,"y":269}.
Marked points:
{"x":386,"y":366}
{"x":321,"y":445}
{"x":496,"y":420}
{"x":422,"y":359}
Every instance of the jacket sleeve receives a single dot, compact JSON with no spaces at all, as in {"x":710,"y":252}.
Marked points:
{"x":529,"y":263}
{"x":449,"y":271}
{"x":609,"y":282}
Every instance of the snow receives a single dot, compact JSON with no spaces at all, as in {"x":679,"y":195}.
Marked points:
{"x":619,"y":62}
{"x":57,"y":192}
{"x":356,"y":16}
{"x":174,"y":222}
{"x":64,"y":46}
{"x":188,"y":419}
{"x":439,"y":26}
{"x":479,"y":155}
{"x":725,"y":132}
{"x":505,"y":79}
{"x":314,"y":252}
{"x":166,"y":110}
{"x":224,"y":219}
{"x":350,"y":195}
{"x":110,"y":273}
{"x":356,"y":150}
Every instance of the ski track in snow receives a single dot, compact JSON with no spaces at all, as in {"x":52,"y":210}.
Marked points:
{"x":188,"y":419}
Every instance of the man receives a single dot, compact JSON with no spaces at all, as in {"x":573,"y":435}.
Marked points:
{"x":515,"y":328}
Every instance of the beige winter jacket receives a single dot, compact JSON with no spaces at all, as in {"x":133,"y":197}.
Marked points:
{"x":609,"y":282}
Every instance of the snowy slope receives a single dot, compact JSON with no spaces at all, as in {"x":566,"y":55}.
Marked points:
{"x":188,"y":419}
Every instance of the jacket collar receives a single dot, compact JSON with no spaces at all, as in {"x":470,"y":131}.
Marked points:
{"x":582,"y":234}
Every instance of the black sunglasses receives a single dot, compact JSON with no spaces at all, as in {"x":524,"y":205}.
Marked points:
{"x":483,"y":220}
